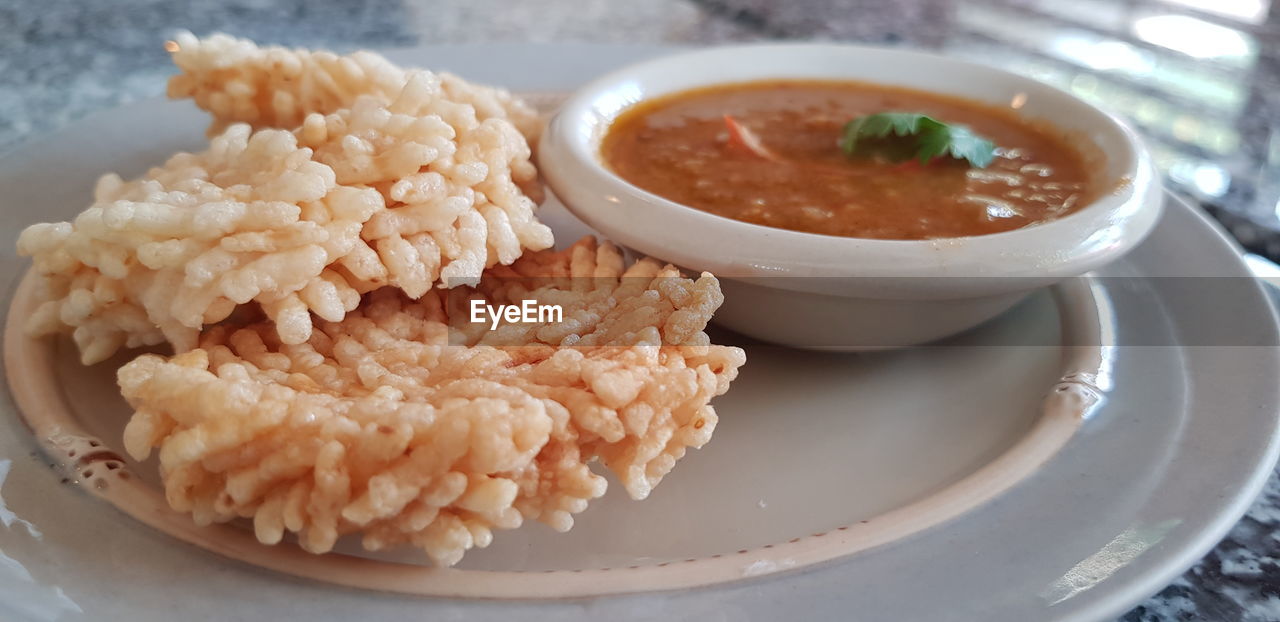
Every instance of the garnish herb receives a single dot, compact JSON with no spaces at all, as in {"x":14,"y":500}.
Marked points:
{"x":905,"y":135}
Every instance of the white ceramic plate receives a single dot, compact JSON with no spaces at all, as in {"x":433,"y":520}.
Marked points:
{"x":944,"y":483}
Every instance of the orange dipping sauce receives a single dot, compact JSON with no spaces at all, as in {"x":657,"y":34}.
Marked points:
{"x":679,"y":147}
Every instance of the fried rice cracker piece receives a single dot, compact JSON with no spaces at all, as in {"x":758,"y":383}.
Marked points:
{"x":413,"y":194}
{"x":646,"y":302}
{"x":381,"y":425}
{"x":253,"y":218}
{"x":454,"y":184}
{"x":237,"y":81}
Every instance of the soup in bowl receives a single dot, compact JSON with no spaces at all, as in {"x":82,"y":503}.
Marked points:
{"x":769,"y":153}
{"x":851,"y":197}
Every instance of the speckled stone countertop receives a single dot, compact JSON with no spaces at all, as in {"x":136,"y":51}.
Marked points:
{"x":1200,"y":78}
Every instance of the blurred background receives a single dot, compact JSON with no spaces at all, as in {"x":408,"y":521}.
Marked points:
{"x":1199,"y":78}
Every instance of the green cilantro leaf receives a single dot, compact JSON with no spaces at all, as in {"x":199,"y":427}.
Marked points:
{"x":903,"y":135}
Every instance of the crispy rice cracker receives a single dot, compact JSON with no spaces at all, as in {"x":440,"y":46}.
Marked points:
{"x":408,"y":193}
{"x":237,"y":81}
{"x":380,"y":425}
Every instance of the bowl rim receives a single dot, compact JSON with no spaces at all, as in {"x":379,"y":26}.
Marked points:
{"x":1103,"y":229}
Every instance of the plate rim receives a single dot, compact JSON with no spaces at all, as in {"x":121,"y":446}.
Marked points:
{"x":1207,"y":539}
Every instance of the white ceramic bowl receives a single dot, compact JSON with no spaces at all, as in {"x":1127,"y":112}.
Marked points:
{"x":813,"y":290}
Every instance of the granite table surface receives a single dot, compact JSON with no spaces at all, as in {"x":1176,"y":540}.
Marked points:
{"x":1199,"y":78}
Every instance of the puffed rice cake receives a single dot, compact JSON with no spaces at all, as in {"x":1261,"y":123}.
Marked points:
{"x":379,"y":425}
{"x":237,"y":81}
{"x":414,"y":192}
